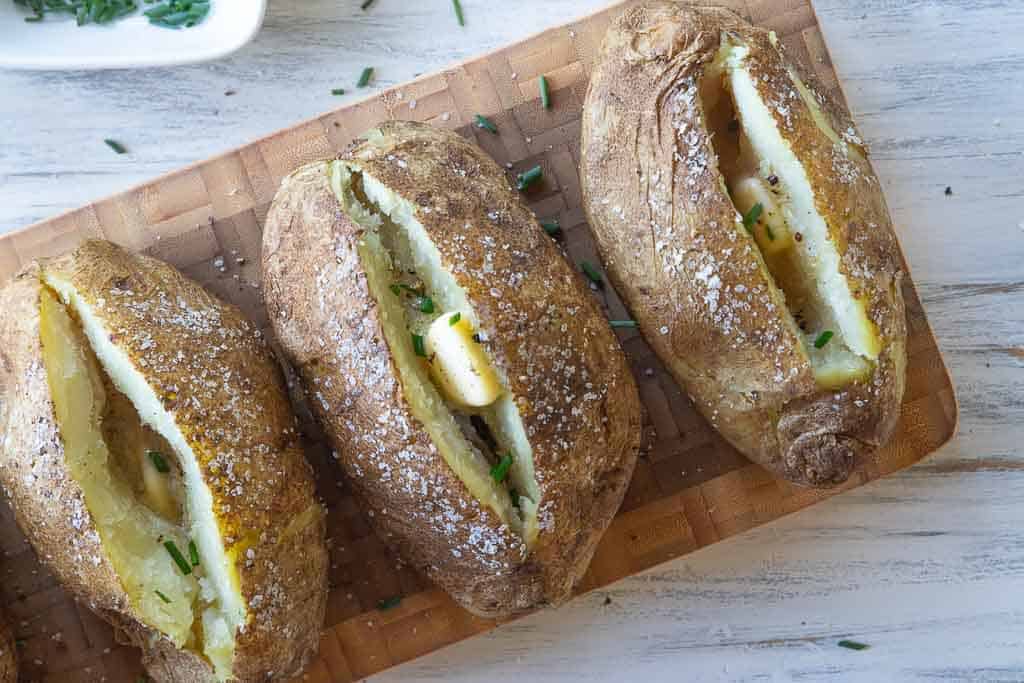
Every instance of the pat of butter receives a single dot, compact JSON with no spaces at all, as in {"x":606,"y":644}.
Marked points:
{"x":770,"y":230}
{"x":459,"y":364}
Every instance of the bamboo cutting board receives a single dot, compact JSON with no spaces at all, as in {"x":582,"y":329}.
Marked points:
{"x":690,"y":488}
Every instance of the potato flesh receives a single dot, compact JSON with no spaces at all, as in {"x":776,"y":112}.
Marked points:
{"x":128,"y":530}
{"x":395,"y":243}
{"x":217,"y":609}
{"x":792,"y":235}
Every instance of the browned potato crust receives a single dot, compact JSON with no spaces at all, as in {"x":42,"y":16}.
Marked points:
{"x":574,"y":391}
{"x":8,"y":656}
{"x":692,"y":276}
{"x":214,"y":373}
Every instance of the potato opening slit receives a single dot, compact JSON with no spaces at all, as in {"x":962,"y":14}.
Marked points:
{"x":484,"y":444}
{"x":771,"y":191}
{"x":139,"y":480}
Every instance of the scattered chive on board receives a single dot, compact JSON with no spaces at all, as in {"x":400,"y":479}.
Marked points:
{"x":158,"y":461}
{"x":115,"y":145}
{"x":366,"y":5}
{"x":500,"y":471}
{"x":486,"y":124}
{"x":458,"y":12}
{"x":388,"y":603}
{"x":551,"y":227}
{"x":750,"y":217}
{"x":853,"y":645}
{"x":823,"y":339}
{"x":524,"y":180}
{"x":623,"y":323}
{"x":364,"y":78}
{"x":545,"y":93}
{"x":592,"y":273}
{"x":338,"y":91}
{"x":178,"y":558}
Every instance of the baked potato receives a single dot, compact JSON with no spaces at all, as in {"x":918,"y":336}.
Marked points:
{"x":477,"y":400}
{"x":149,"y":451}
{"x":740,"y":220}
{"x":8,"y":654}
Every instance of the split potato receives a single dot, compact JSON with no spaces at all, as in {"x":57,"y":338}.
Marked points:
{"x":477,"y":399}
{"x":149,"y":451}
{"x":739,"y":218}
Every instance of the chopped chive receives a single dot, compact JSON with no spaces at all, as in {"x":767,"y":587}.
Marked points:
{"x":454,"y":320}
{"x":551,"y":227}
{"x":338,"y":91}
{"x":178,"y":558}
{"x":193,"y":553}
{"x":500,"y":471}
{"x":486,"y":124}
{"x":545,"y":94}
{"x":396,"y":289}
{"x":750,"y":217}
{"x":823,"y":339}
{"x":115,"y":145}
{"x":158,"y":461}
{"x":162,"y":597}
{"x":515,"y":497}
{"x":623,"y":323}
{"x":524,"y":180}
{"x":364,"y":78}
{"x":426,"y":304}
{"x":366,"y":5}
{"x":768,"y":231}
{"x":389,"y":603}
{"x":458,"y":12}
{"x":853,"y":645}
{"x":592,"y":273}
{"x":419,"y":346}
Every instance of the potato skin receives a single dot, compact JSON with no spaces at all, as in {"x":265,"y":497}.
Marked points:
{"x":8,"y":655}
{"x":239,"y":426}
{"x":700,"y":291}
{"x":575,"y":393}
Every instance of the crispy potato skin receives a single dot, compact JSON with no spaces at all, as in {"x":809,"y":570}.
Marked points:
{"x":8,"y":656}
{"x":216,"y":374}
{"x":667,"y":231}
{"x":575,"y":393}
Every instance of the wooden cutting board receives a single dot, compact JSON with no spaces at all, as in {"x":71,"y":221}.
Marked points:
{"x":690,"y":488}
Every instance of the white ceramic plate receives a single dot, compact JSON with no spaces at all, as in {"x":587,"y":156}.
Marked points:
{"x":58,"y":43}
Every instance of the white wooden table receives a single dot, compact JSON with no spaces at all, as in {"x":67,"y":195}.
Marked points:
{"x":926,"y":566}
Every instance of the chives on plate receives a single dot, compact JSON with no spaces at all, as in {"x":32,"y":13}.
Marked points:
{"x":115,"y":145}
{"x":366,"y":5}
{"x":178,"y":13}
{"x":364,"y":78}
{"x":458,"y":12}
{"x":545,"y":93}
{"x":178,"y":558}
{"x":486,"y":124}
{"x":524,"y":180}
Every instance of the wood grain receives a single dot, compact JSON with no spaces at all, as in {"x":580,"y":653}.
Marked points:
{"x":924,"y":137}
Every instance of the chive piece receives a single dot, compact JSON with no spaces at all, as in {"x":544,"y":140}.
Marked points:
{"x":592,"y":273}
{"x":162,"y":597}
{"x":500,"y":471}
{"x":193,"y":553}
{"x":389,"y":603}
{"x":551,"y":227}
{"x":768,"y":231}
{"x":426,"y":304}
{"x":396,"y":289}
{"x":178,"y":558}
{"x":364,"y":78}
{"x":486,"y":124}
{"x":853,"y":645}
{"x":158,"y":461}
{"x":115,"y":145}
{"x":338,"y":91}
{"x":823,"y":339}
{"x":366,"y":5}
{"x":418,"y":346}
{"x":623,"y":323}
{"x":750,"y":217}
{"x":545,"y":94}
{"x":458,"y":12}
{"x":524,"y":180}
{"x":454,"y":320}
{"x":515,"y":497}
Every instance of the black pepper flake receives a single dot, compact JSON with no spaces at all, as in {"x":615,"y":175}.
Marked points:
{"x":798,"y":237}
{"x":773,"y":180}
{"x":949,"y":191}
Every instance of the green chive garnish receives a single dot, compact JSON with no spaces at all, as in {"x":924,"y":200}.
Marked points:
{"x":454,"y":320}
{"x":622,"y":323}
{"x":486,"y":124}
{"x":162,"y":597}
{"x":768,"y":231}
{"x":551,"y":227}
{"x":338,"y":91}
{"x":158,"y":462}
{"x":389,"y":603}
{"x":396,"y":289}
{"x":852,"y":645}
{"x":524,"y":180}
{"x":500,"y":471}
{"x":426,"y":304}
{"x":545,"y":94}
{"x":592,"y":273}
{"x":418,"y":345}
{"x":364,"y":78}
{"x":458,"y":12}
{"x":366,"y":5}
{"x":193,"y":553}
{"x":115,"y":145}
{"x":178,"y":558}
{"x":823,"y":339}
{"x":750,"y":217}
